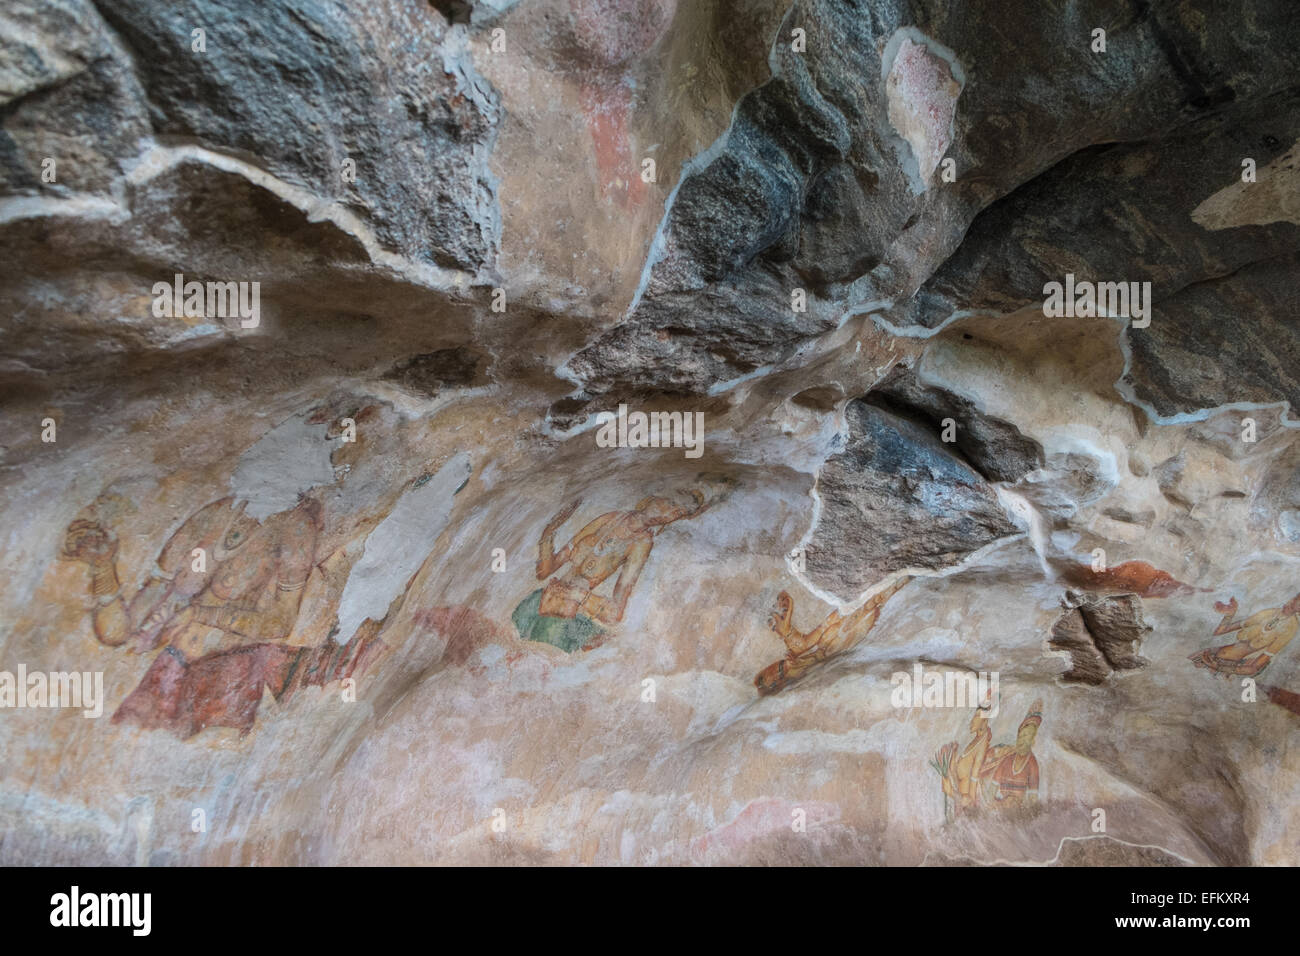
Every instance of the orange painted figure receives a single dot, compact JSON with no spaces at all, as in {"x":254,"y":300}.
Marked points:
{"x":960,"y":772}
{"x":833,"y":636}
{"x":247,"y":586}
{"x":1260,"y":638}
{"x":222,"y":628}
{"x":567,"y":612}
{"x":1012,"y":769}
{"x":988,"y":775}
{"x":220,"y":605}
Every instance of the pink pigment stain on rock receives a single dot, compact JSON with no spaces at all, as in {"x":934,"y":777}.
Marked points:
{"x":760,"y":819}
{"x":465,"y":630}
{"x":922,"y":97}
{"x":607,"y":112}
{"x":611,"y":32}
{"x":611,"y":35}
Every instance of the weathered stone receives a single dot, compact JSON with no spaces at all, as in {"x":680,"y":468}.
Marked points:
{"x":302,"y":87}
{"x":996,"y":449}
{"x":1101,"y":635}
{"x":896,"y":498}
{"x":377,"y":579}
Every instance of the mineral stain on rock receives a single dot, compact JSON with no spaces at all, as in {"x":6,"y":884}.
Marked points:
{"x":433,"y":372}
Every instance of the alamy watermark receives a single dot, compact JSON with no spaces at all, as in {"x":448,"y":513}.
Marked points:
{"x":75,"y":908}
{"x":946,"y":688}
{"x":210,"y":300}
{"x":651,"y":430}
{"x":53,"y":689}
{"x":1086,"y":300}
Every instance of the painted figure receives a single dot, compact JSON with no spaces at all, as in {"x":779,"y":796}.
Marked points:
{"x":567,"y":612}
{"x":988,"y":775}
{"x":1260,"y":638}
{"x":960,"y":772}
{"x":833,"y":636}
{"x":222,"y":629}
{"x":1012,"y":769}
{"x":225,"y":594}
{"x":248,"y":584}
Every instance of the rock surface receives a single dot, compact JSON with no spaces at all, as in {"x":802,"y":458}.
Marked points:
{"x":363,"y":547}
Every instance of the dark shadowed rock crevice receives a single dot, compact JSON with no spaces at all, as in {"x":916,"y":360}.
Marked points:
{"x":994,"y":448}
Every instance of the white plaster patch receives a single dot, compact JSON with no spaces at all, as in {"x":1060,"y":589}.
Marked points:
{"x":1024,"y":514}
{"x":933,"y":642}
{"x":1288,"y":524}
{"x":1086,"y":442}
{"x":1273,"y":197}
{"x":397,"y":547}
{"x":885,"y":737}
{"x":293,"y":457}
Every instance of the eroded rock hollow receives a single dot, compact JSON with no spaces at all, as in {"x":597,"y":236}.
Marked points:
{"x":649,"y":432}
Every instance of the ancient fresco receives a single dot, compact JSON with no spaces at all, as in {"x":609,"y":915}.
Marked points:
{"x":982,"y":775}
{"x":219,"y":608}
{"x":804,"y":650}
{"x":638,"y":432}
{"x":1259,"y":639}
{"x":219,"y":631}
{"x":567,"y":612}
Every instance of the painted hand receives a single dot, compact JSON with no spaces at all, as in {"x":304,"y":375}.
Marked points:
{"x":780,"y":614}
{"x":161,"y":627}
{"x":1230,"y":607}
{"x":89,"y":542}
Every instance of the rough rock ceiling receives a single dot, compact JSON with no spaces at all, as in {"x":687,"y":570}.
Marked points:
{"x":314,"y":319}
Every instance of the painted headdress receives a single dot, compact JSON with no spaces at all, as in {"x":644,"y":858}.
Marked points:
{"x":1034,"y":717}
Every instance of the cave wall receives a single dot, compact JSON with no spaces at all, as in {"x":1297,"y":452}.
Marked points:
{"x":324,"y":554}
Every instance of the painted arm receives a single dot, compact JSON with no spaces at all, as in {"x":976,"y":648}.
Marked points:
{"x":840,"y":633}
{"x":992,"y":757}
{"x":798,"y":642}
{"x":548,"y":561}
{"x":611,"y":611}
{"x":155,"y":604}
{"x":1226,"y":626}
{"x":272,"y":623}
{"x":860,"y":622}
{"x":109,"y":619}
{"x":90,"y":543}
{"x":866,"y":615}
{"x":781,"y":620}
